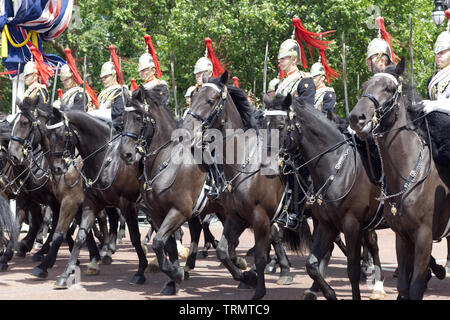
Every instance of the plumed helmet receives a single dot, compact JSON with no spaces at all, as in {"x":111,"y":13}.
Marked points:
{"x":378,"y":46}
{"x":65,"y":72}
{"x":146,"y":61}
{"x":317,"y":69}
{"x":107,"y":69}
{"x":272,"y":84}
{"x":203,"y":64}
{"x":189,"y":91}
{"x":30,"y":67}
{"x":443,"y":40}
{"x":289,"y":48}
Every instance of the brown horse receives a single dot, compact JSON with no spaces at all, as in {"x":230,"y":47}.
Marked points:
{"x":108,"y":181}
{"x":220,"y":113}
{"x":415,"y":192}
{"x":65,"y":187}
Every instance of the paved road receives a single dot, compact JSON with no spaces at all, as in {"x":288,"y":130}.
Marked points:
{"x":208,"y":281}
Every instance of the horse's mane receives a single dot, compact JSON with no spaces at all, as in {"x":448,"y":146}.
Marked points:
{"x":241,"y":102}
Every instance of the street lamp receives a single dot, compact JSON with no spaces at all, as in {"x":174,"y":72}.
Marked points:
{"x":438,"y":14}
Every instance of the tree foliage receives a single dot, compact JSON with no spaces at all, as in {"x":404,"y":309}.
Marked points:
{"x":240,"y":31}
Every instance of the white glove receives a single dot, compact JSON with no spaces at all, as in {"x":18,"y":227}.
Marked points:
{"x":57,"y":104}
{"x":428,"y":106}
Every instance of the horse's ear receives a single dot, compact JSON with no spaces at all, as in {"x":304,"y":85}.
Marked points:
{"x":224,"y":77}
{"x":400,"y":68}
{"x":330,"y":115}
{"x":287,"y":102}
{"x":267,"y":101}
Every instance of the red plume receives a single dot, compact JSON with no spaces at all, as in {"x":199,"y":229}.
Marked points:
{"x":310,"y":38}
{"x":44,"y":71}
{"x":217,"y":67}
{"x":151,"y":50}
{"x":235,"y":82}
{"x":115,"y":60}
{"x":134,"y":86}
{"x":329,"y":73}
{"x":60,"y":93}
{"x":281,"y":73}
{"x":71,"y":63}
{"x":386,"y":36}
{"x":447,"y":15}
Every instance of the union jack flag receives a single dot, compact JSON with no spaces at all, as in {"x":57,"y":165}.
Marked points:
{"x":48,"y":18}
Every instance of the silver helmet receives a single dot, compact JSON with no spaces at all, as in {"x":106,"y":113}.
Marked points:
{"x":317,"y":69}
{"x":30,"y":67}
{"x":107,"y":69}
{"x":379,"y":47}
{"x":203,"y":64}
{"x":146,"y":61}
{"x":65,"y":72}
{"x":289,"y":48}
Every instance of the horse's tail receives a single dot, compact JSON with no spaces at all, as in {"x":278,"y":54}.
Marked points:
{"x":299,"y":241}
{"x":8,"y":224}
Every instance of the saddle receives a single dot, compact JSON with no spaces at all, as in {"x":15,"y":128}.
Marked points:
{"x":439,"y":125}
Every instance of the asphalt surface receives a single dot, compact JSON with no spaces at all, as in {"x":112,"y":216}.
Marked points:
{"x":209,"y":280}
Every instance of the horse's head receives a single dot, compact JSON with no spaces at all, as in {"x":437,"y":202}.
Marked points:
{"x":27,"y":131}
{"x":207,"y":108}
{"x":60,"y":137}
{"x":280,"y":116}
{"x":379,"y":102}
{"x":139,"y":125}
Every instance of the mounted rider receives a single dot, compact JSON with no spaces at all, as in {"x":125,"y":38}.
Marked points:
{"x":299,"y":84}
{"x":379,"y":51}
{"x":74,"y":98}
{"x":149,"y":70}
{"x":188,"y":96}
{"x":35,"y":88}
{"x":110,"y":98}
{"x":325,"y":98}
{"x":439,"y":85}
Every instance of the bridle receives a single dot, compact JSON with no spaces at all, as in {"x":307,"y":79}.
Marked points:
{"x":143,"y":139}
{"x":382,"y":110}
{"x":27,"y":142}
{"x":218,"y":109}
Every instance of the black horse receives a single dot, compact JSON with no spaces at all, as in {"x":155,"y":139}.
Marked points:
{"x":416,"y":189}
{"x":343,"y":197}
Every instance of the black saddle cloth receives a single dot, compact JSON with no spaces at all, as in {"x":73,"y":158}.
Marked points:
{"x":439,"y":124}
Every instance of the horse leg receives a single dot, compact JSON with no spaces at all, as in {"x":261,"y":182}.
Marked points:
{"x":261,"y":227}
{"x":9,"y":250}
{"x":230,"y":236}
{"x":131,"y":217}
{"x":447,"y":266}
{"x":353,"y":241}
{"x":36,"y":220}
{"x":113,"y":218}
{"x":285,"y":266}
{"x":313,"y":292}
{"x":122,"y":225}
{"x":173,"y":220}
{"x":207,"y":235}
{"x":195,"y":229}
{"x":84,"y":233}
{"x":405,"y":259}
{"x":371,"y":241}
{"x":422,"y":254}
{"x":38,"y":256}
{"x":323,"y":240}
{"x":69,"y":209}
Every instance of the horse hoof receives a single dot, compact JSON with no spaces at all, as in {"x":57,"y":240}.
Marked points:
{"x":92,"y":271}
{"x":37,"y":257}
{"x":170,"y":288}
{"x":241,"y":263}
{"x":440,"y":272}
{"x":244,"y":286}
{"x":250,"y":278}
{"x":21,"y":254}
{"x":285,"y":280}
{"x":106,"y":260}
{"x":377,"y":295}
{"x":61,"y":283}
{"x":183,"y":253}
{"x":39,"y":273}
{"x":203,"y":254}
{"x":270,"y":269}
{"x":138,"y":279}
{"x":186,"y":274}
{"x":309,"y":295}
{"x":3,"y":267}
